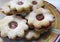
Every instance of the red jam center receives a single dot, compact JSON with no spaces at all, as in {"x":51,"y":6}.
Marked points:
{"x":40,"y":17}
{"x":34,"y":2}
{"x":20,"y":3}
{"x":13,"y":24}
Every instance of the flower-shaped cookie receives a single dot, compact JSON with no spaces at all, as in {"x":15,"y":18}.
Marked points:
{"x":12,"y":27}
{"x":32,"y":34}
{"x":6,"y":10}
{"x":36,"y":3}
{"x":20,"y":5}
{"x":40,"y":17}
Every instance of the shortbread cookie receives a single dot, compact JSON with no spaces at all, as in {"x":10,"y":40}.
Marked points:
{"x":40,"y":17}
{"x":12,"y":27}
{"x":1,"y":40}
{"x":20,"y":5}
{"x":36,"y":3}
{"x":32,"y":34}
{"x":6,"y":10}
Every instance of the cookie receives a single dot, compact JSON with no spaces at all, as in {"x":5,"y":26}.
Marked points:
{"x":36,"y":3}
{"x":40,"y":17}
{"x":12,"y":27}
{"x":6,"y":10}
{"x":20,"y":5}
{"x":32,"y":34}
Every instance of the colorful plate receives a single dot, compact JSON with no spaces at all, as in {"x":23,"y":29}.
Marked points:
{"x":53,"y":35}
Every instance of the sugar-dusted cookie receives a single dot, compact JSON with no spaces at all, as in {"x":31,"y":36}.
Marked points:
{"x":36,"y":3}
{"x":6,"y":10}
{"x":40,"y":17}
{"x":11,"y":26}
{"x":20,"y":5}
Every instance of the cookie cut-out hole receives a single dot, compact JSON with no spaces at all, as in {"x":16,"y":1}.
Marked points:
{"x":34,"y":2}
{"x":40,"y":17}
{"x":20,"y":3}
{"x":13,"y":24}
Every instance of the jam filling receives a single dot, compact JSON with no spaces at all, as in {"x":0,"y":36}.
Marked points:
{"x":34,"y":2}
{"x":20,"y":3}
{"x":40,"y":17}
{"x":13,"y":24}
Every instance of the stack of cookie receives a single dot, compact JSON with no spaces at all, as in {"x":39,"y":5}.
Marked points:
{"x":25,"y":18}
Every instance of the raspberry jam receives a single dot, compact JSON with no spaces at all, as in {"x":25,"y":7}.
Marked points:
{"x":20,"y":3}
{"x":34,"y":2}
{"x":40,"y":17}
{"x":13,"y":24}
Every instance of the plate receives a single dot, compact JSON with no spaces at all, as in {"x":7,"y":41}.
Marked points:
{"x":54,"y":34}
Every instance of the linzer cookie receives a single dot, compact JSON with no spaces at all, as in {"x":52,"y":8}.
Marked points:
{"x":40,"y":18}
{"x":36,"y":3}
{"x":12,"y":27}
{"x":5,"y":10}
{"x":20,"y":5}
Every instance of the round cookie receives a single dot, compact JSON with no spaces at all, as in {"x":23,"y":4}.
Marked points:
{"x":40,"y":17}
{"x":12,"y":27}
